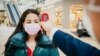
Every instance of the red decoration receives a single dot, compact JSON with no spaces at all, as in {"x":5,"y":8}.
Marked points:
{"x":44,"y":17}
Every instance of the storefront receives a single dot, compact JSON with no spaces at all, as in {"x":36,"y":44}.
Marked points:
{"x":62,"y":13}
{"x":75,"y":16}
{"x":4,"y":19}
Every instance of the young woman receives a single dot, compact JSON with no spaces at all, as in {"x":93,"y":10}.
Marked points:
{"x":28,"y":40}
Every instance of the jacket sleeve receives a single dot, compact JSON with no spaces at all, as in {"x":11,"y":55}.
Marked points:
{"x":72,"y":46}
{"x":9,"y":50}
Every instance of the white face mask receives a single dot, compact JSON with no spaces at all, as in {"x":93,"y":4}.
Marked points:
{"x":32,"y":28}
{"x":86,"y":19}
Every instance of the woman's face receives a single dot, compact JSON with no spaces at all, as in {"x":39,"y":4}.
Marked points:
{"x":31,"y":18}
{"x":32,"y":24}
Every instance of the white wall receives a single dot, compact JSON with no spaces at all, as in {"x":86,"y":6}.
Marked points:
{"x":2,"y":6}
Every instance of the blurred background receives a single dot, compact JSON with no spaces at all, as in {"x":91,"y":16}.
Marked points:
{"x":65,"y":14}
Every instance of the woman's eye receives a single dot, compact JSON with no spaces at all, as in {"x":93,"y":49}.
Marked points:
{"x":36,"y":21}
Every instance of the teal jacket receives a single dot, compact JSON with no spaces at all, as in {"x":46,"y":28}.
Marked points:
{"x":17,"y":46}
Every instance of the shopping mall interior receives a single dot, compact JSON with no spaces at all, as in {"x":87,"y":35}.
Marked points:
{"x":64,"y":14}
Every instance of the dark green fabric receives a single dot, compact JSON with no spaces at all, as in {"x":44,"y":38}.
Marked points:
{"x":17,"y":46}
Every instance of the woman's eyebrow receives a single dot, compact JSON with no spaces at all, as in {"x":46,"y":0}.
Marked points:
{"x":28,"y":20}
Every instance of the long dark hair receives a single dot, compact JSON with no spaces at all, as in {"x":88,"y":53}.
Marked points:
{"x":20,"y":28}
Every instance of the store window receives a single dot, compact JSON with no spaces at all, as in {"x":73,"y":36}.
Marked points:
{"x":75,"y":16}
{"x":58,"y":19}
{"x":4,"y":21}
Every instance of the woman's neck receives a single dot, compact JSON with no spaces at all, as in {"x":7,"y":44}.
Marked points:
{"x":31,"y":38}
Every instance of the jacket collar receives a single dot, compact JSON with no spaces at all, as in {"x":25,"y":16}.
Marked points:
{"x":18,"y":40}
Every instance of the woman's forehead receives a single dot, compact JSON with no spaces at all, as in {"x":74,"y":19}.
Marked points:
{"x":32,"y":16}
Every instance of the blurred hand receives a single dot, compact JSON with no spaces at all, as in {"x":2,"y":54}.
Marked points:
{"x":47,"y":26}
